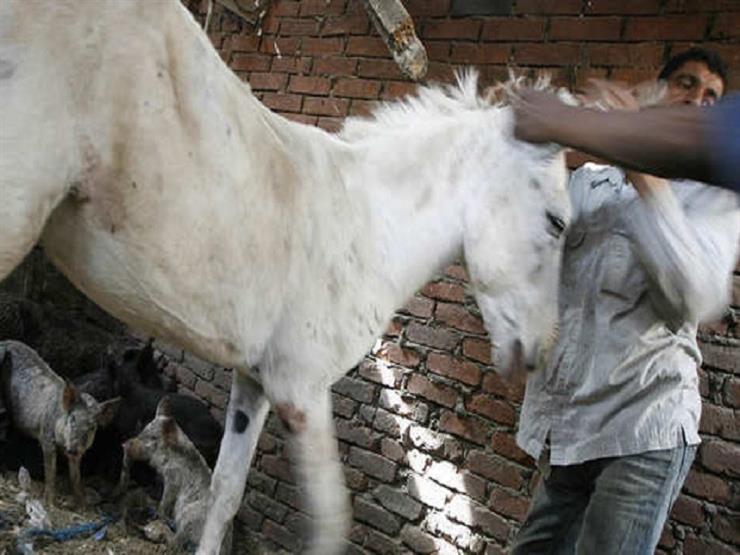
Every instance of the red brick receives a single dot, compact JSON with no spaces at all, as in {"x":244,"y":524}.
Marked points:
{"x":457,"y":271}
{"x":366,"y":46}
{"x":506,"y":504}
{"x":322,"y":46}
{"x":501,"y":472}
{"x":280,"y":46}
{"x":721,"y":457}
{"x":584,"y":28}
{"x":335,"y":66}
{"x":379,"y":69}
{"x":396,"y":89}
{"x":466,"y":427}
{"x":727,"y":527}
{"x":437,"y":393}
{"x":688,"y":511}
{"x":281,"y":535}
{"x":435,"y":8}
{"x":732,"y":392}
{"x":325,"y":106}
{"x":723,"y":357}
{"x":277,"y":468}
{"x":267,"y":81}
{"x":362,"y":108}
{"x":462,"y":28}
{"x":623,"y":7}
{"x":346,"y":25}
{"x":284,"y":8}
{"x":548,"y":6}
{"x":250,"y":62}
{"x":693,"y":6}
{"x":304,"y":84}
{"x":719,"y":421}
{"x":290,"y":64}
{"x":477,"y":349}
{"x":357,"y":88}
{"x":456,"y":369}
{"x":498,"y":411}
{"x":706,"y":486}
{"x":432,"y":337}
{"x":624,"y":54}
{"x":331,"y":125}
{"x":322,"y":7}
{"x":438,"y":50}
{"x":300,"y":118}
{"x":667,"y":540}
{"x":444,"y":291}
{"x":282,"y":102}
{"x":547,"y":54}
{"x":681,"y":27}
{"x":701,"y":546}
{"x":244,"y":43}
{"x":512,"y":390}
{"x":504,"y":445}
{"x":476,"y":53}
{"x":513,"y":29}
{"x":298,"y":27}
{"x":420,"y":307}
{"x":726,"y":26}
{"x":458,"y":317}
{"x":394,"y":353}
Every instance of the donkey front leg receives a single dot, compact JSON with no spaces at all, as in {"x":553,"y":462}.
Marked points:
{"x":75,"y":479}
{"x":315,"y":446}
{"x":50,"y":471}
{"x":245,"y":418}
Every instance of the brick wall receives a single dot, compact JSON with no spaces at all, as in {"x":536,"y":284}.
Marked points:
{"x":426,"y":429}
{"x":425,"y":426}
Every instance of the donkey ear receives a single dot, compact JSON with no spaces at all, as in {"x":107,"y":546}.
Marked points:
{"x":107,"y":411}
{"x":164,"y":408}
{"x":169,"y":431}
{"x":69,"y":396}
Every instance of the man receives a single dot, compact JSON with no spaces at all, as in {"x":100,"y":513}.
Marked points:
{"x":678,"y":141}
{"x":614,"y":417}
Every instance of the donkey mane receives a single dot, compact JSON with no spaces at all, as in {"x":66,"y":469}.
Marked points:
{"x":441,"y":101}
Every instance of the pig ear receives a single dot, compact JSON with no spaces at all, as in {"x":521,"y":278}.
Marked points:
{"x":107,"y":411}
{"x":6,"y":362}
{"x":69,"y":396}
{"x":164,"y":408}
{"x":169,"y":431}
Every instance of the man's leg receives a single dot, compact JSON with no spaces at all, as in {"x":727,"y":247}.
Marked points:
{"x":553,"y":522}
{"x":631,"y":500}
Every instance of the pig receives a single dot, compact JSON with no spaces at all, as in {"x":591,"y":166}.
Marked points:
{"x":165,"y":447}
{"x":137,"y":381}
{"x":44,"y":406}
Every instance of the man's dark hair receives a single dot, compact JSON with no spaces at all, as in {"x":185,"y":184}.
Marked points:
{"x":710,"y":58}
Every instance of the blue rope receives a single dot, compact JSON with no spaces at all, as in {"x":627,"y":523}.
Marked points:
{"x":66,"y":534}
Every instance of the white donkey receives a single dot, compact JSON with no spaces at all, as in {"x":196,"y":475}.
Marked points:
{"x":167,"y":193}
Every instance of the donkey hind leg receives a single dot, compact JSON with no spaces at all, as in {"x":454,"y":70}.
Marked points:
{"x":23,"y":213}
{"x":245,"y":418}
{"x":315,"y":447}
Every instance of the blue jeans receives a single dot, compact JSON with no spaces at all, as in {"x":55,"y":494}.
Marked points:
{"x":608,"y":506}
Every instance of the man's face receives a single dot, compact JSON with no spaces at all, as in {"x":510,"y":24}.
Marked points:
{"x":693,"y":83}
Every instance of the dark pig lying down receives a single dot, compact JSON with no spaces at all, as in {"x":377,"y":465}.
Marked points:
{"x":45,"y":407}
{"x":164,"y":446}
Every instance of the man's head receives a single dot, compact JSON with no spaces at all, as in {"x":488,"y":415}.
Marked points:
{"x":696,"y":76}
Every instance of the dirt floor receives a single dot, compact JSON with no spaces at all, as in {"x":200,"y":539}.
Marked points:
{"x":124,"y":536}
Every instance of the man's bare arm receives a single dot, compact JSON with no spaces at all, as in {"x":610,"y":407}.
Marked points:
{"x":665,"y":141}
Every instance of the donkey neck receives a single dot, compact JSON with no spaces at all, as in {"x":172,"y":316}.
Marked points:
{"x":416,"y":200}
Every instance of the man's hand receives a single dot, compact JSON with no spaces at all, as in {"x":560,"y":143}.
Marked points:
{"x":539,"y":116}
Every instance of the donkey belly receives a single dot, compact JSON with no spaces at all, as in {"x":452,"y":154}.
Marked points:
{"x":189,"y":284}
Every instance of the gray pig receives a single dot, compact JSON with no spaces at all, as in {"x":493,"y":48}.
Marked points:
{"x":42,"y":405}
{"x":187,"y":478}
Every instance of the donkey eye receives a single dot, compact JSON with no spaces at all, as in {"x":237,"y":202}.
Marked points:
{"x":556,"y":225}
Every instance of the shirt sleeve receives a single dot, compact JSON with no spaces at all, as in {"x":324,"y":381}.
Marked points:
{"x":725,"y":142}
{"x":689,"y":248}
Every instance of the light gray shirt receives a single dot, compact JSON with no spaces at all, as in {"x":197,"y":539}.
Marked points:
{"x":637,"y":277}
